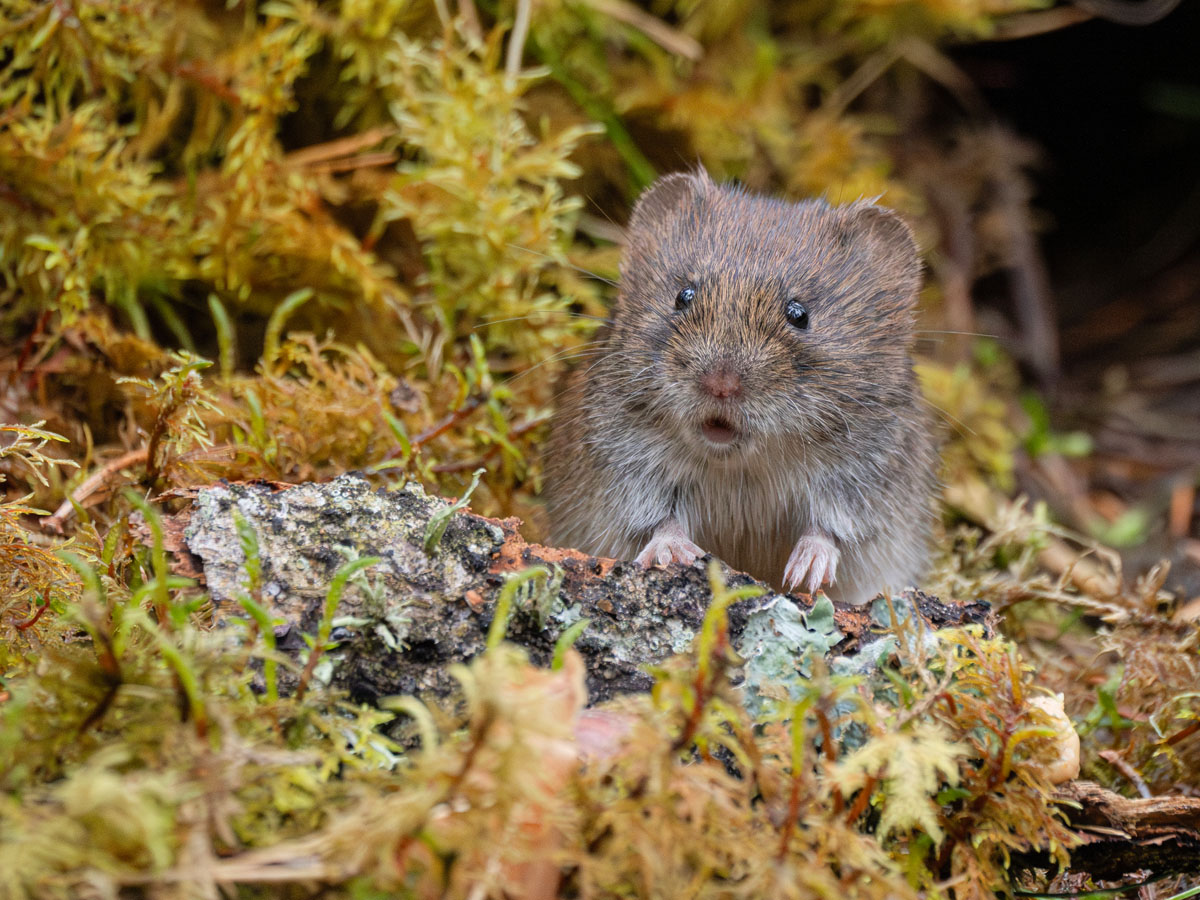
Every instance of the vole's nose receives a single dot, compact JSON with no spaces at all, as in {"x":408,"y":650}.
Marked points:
{"x":721,"y":382}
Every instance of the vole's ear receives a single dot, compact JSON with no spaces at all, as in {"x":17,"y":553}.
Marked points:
{"x":668,"y":194}
{"x":886,"y":239}
{"x":881,"y":227}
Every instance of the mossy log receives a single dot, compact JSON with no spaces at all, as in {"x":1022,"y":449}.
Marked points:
{"x":428,"y":610}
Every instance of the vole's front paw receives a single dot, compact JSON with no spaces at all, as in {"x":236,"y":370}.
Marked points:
{"x":667,"y":545}
{"x":813,"y":563}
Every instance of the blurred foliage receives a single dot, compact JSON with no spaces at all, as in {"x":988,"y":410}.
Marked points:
{"x":285,"y":239}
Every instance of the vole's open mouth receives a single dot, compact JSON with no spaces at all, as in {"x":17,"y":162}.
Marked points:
{"x":718,"y":430}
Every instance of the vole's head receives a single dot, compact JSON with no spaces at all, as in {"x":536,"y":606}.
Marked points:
{"x":744,"y":319}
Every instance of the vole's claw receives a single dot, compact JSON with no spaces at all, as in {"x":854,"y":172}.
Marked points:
{"x":667,"y":545}
{"x":813,"y":563}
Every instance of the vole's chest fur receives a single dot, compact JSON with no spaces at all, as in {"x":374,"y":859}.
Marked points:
{"x":746,"y":520}
{"x":750,"y":510}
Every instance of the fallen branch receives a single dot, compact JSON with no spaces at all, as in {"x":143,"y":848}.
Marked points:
{"x":89,"y":486}
{"x":1120,"y":837}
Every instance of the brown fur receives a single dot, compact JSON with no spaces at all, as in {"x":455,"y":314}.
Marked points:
{"x":832,"y":438}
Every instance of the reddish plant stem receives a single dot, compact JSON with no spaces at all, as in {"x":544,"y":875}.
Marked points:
{"x":27,"y":348}
{"x":826,"y":734}
{"x":310,"y":666}
{"x":156,"y":435}
{"x":861,"y":801}
{"x":32,"y":620}
{"x":998,"y":772}
{"x":703,"y":688}
{"x":208,"y":80}
{"x":110,"y":668}
{"x":444,"y":425}
{"x":793,"y":813}
{"x":1183,"y":733}
{"x":839,"y":802}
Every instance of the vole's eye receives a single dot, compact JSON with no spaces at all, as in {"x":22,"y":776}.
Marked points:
{"x":685,"y":297}
{"x":797,"y":314}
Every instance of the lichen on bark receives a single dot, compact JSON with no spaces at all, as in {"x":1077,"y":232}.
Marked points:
{"x":416,"y":613}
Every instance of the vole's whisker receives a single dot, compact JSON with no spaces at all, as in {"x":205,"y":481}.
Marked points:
{"x":541,"y":312}
{"x":591,"y":348}
{"x":560,"y":262}
{"x":964,"y":333}
{"x":954,"y":420}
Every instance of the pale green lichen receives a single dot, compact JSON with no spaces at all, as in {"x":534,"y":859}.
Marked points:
{"x":779,"y":643}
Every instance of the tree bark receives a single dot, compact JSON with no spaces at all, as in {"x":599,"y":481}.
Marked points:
{"x":429,"y":610}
